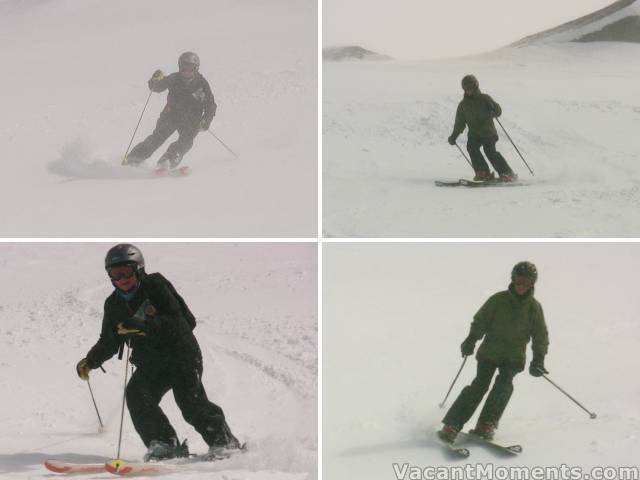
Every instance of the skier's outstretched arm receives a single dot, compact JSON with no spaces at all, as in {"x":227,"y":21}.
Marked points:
{"x":105,"y":348}
{"x":458,"y":126}
{"x":478,"y":327}
{"x":494,"y":107}
{"x":158,"y":82}
{"x":210,"y":107}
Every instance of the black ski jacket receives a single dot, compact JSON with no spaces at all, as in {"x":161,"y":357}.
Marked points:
{"x":190,"y":99}
{"x":161,"y":313}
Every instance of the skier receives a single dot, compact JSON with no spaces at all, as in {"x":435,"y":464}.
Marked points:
{"x":146,"y":312}
{"x":190,"y":108}
{"x":476,"y":111}
{"x":507,"y":321}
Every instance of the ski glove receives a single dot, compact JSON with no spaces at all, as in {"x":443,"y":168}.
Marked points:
{"x":122,"y":330}
{"x":468,"y":346}
{"x":83,"y":369}
{"x":205,"y":123}
{"x":157,"y":75}
{"x":452,"y":140}
{"x":536,"y":368}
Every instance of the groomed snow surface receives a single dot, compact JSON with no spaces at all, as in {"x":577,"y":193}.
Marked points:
{"x":256,"y":309}
{"x":571,"y":108}
{"x":393,"y":320}
{"x":75,"y":82}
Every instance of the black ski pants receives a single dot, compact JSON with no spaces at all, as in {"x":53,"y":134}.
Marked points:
{"x":467,"y":402}
{"x":489,"y":146}
{"x":187,"y":125}
{"x":147,"y":387}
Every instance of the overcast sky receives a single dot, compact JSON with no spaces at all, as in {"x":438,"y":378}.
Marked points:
{"x":420,"y":29}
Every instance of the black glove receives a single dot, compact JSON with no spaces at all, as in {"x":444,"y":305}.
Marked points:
{"x":157,"y":75}
{"x":83,"y":369}
{"x":468,"y":346}
{"x":536,"y":367}
{"x":452,"y":139}
{"x":205,"y":123}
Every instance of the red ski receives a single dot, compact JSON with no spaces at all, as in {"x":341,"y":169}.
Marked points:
{"x":59,"y":466}
{"x":124,"y":468}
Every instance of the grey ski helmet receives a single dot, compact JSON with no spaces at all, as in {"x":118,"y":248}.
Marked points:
{"x":189,"y":58}
{"x":470,"y":81}
{"x":525,"y":269}
{"x":124,"y":254}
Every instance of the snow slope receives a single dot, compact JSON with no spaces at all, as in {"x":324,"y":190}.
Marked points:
{"x":256,"y":309}
{"x":75,"y":82}
{"x":592,"y":27}
{"x":571,"y":108}
{"x":394,"y":316}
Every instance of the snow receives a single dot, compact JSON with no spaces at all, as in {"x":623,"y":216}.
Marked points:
{"x":571,"y":109}
{"x":394,"y":316}
{"x":75,"y":81}
{"x":256,"y":310}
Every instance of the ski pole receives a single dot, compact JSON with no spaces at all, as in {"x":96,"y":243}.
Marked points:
{"x":454,"y":382}
{"x":465,"y":157}
{"x":124,"y":395}
{"x":514,"y":145}
{"x":223,"y":144}
{"x":95,"y":405}
{"x":592,"y":415}
{"x":124,"y":159}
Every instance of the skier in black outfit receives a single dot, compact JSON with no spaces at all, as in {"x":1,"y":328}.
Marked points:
{"x":190,"y":108}
{"x":146,"y":312}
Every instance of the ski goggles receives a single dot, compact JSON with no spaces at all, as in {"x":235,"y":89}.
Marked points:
{"x":522,"y":282}
{"x":121,"y":272}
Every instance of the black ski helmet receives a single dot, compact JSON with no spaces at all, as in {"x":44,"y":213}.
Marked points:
{"x":124,"y":254}
{"x":189,"y":58}
{"x":525,"y":269}
{"x":470,"y":82}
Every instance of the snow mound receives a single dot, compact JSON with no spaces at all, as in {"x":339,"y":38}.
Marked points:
{"x":619,"y":22}
{"x":78,"y":161}
{"x":352,"y":52}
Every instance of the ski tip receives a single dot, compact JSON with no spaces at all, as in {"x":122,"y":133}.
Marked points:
{"x":56,"y":466}
{"x":117,"y":467}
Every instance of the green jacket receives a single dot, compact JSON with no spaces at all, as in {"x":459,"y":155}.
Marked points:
{"x":476,"y":112}
{"x":507,"y":322}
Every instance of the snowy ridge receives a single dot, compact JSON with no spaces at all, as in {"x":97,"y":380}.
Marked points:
{"x":350,"y":52}
{"x":257,"y":328}
{"x":583,"y":26}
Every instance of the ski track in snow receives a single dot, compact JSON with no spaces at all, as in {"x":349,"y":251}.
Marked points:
{"x":260,"y":367}
{"x":385,"y":127}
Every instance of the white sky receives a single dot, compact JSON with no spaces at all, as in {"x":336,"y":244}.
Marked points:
{"x":420,"y":29}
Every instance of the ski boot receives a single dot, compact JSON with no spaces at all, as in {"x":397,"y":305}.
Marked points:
{"x":448,"y":433}
{"x":224,"y":445}
{"x":483,"y":176}
{"x":485,"y":430}
{"x":159,"y":450}
{"x":508,"y":177}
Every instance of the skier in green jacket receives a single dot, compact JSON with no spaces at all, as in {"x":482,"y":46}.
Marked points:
{"x":507,"y":321}
{"x":477,"y":111}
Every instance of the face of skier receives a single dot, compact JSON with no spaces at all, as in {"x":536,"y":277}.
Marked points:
{"x":522,"y":285}
{"x":123,"y":277}
{"x":187,"y":70}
